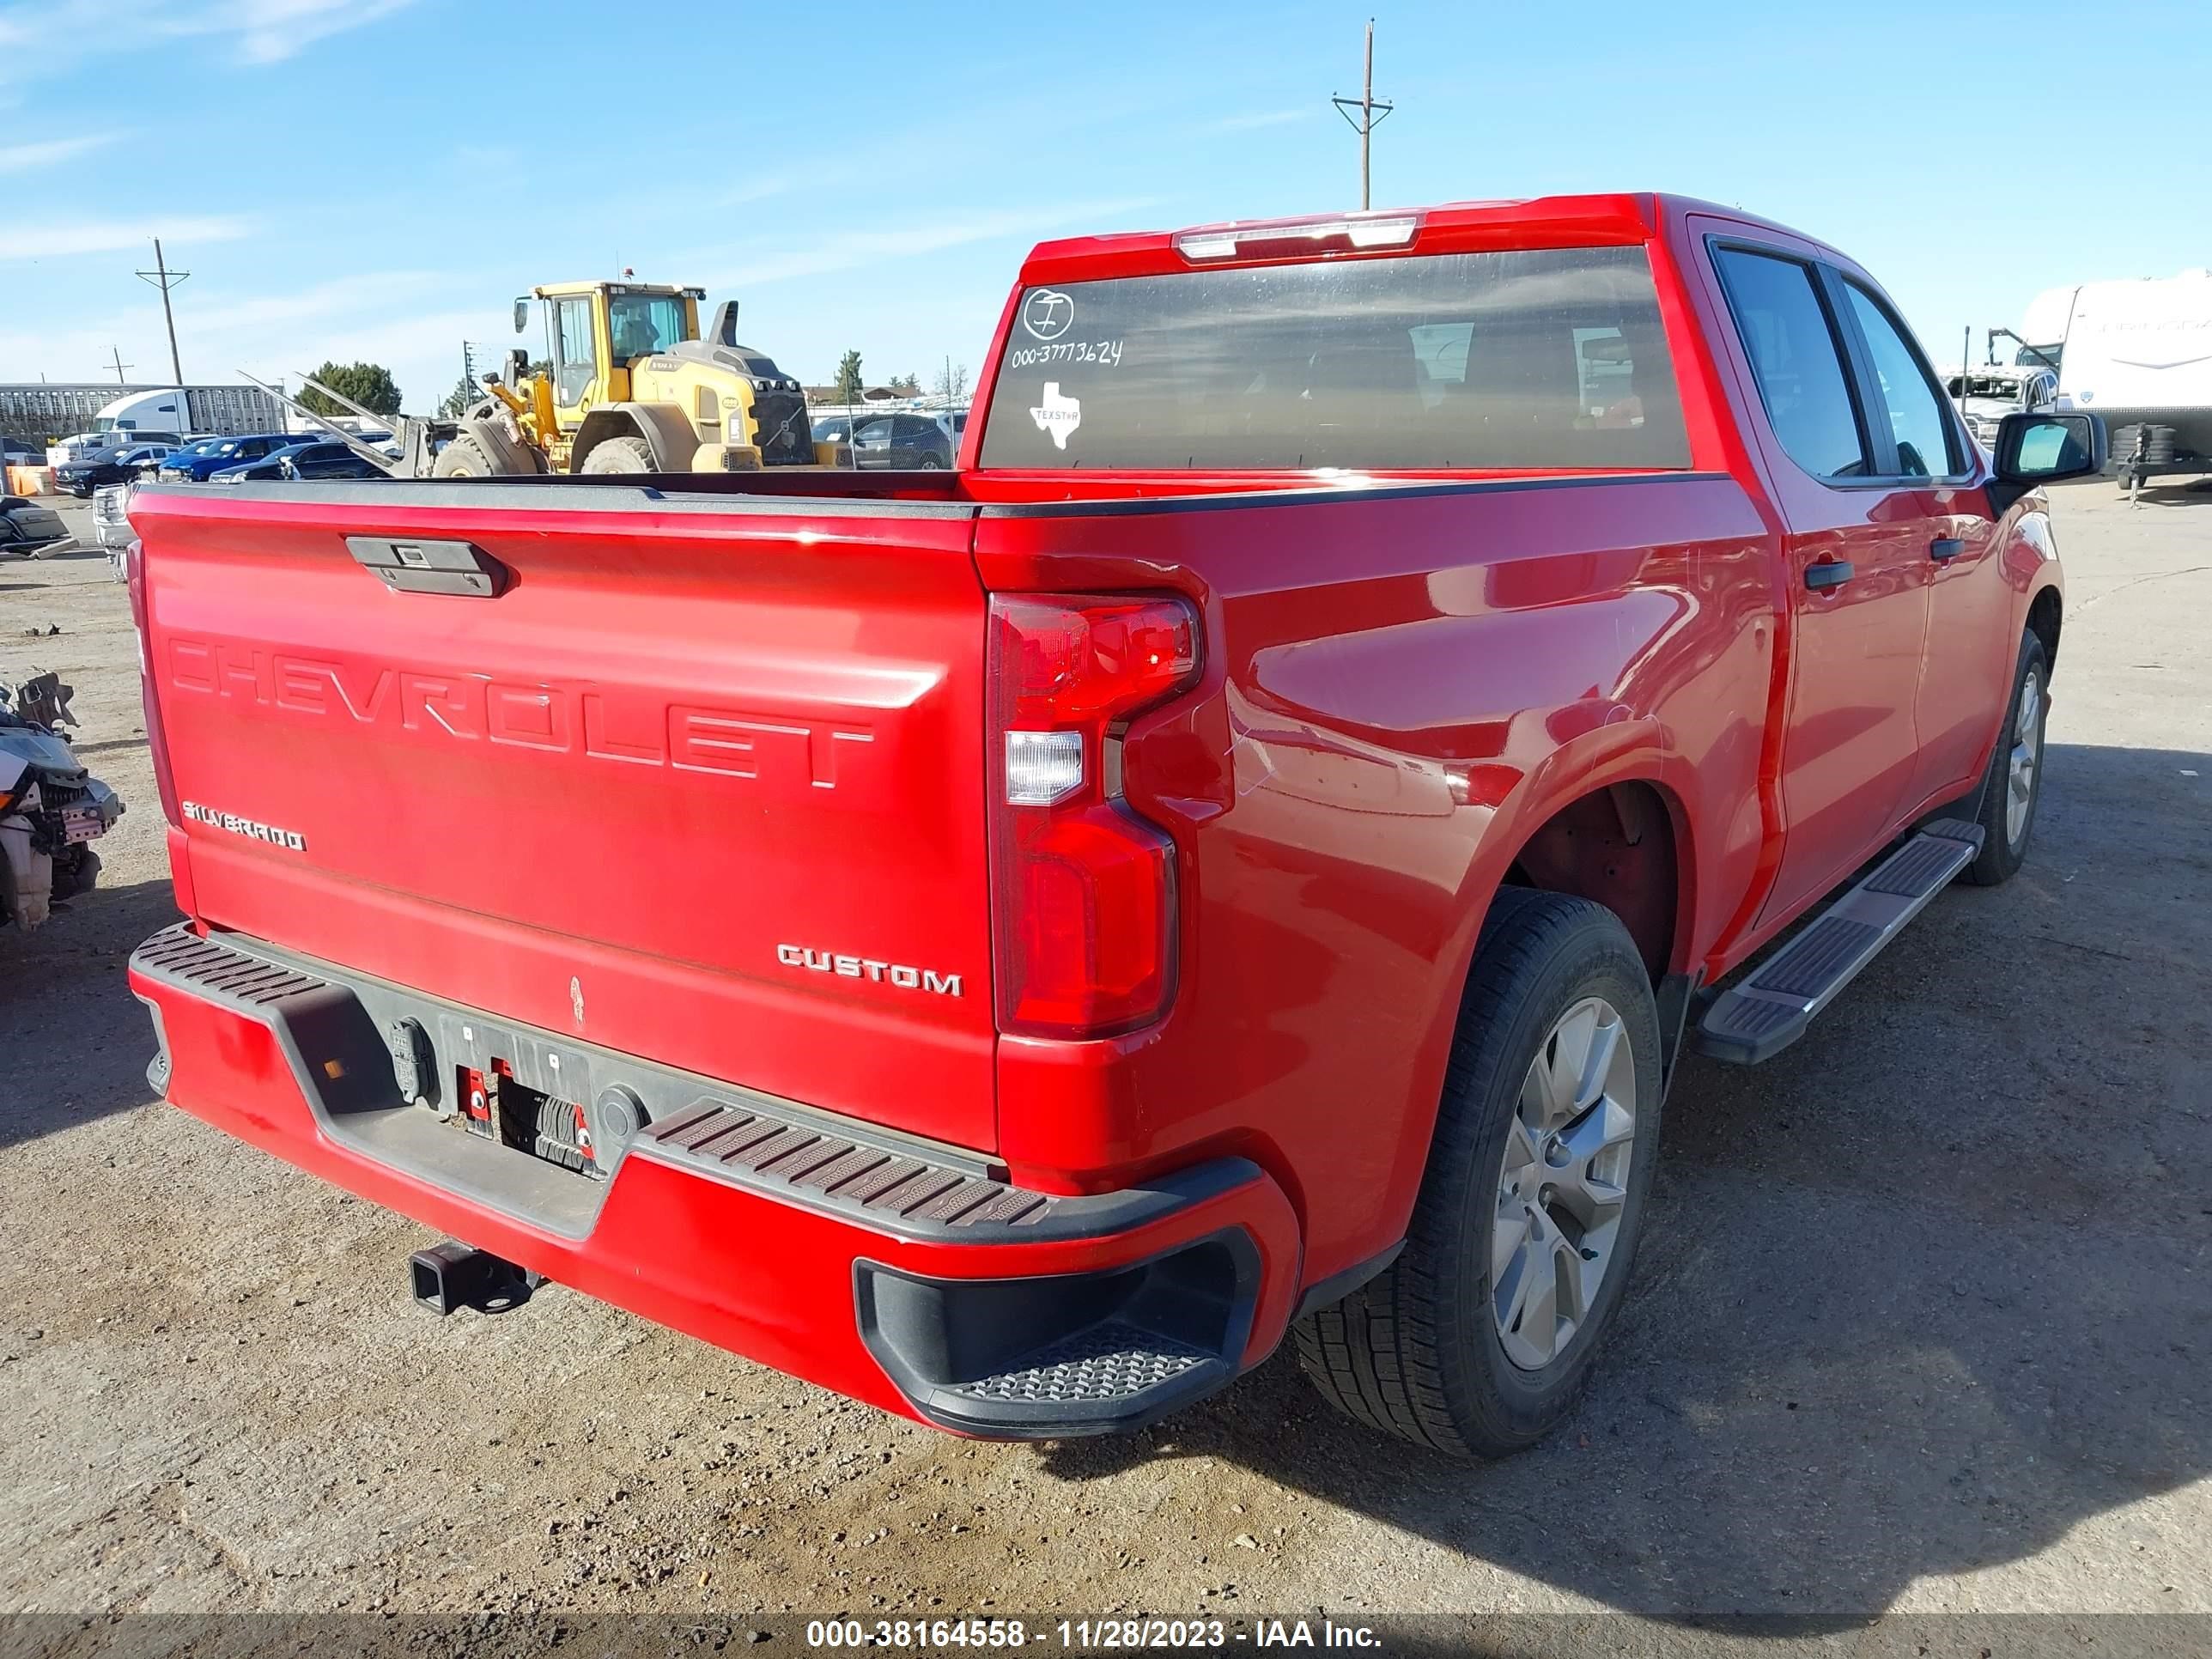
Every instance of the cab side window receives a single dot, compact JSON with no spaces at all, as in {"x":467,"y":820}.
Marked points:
{"x":1795,"y":359}
{"x":1926,"y":446}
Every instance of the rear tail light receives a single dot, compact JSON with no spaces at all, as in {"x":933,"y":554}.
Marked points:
{"x":1083,"y":905}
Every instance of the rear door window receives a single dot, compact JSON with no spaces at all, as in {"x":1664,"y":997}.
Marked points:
{"x":1796,"y":359}
{"x":1532,"y":359}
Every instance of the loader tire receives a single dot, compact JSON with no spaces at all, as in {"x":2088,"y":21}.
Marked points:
{"x":464,"y":457}
{"x":621,"y":455}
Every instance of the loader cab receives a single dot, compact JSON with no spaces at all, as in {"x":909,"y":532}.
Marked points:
{"x":597,"y":332}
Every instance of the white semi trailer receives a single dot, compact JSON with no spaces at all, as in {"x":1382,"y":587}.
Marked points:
{"x":170,"y":415}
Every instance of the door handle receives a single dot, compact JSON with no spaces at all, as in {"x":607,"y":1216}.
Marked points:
{"x":1833,"y":573}
{"x":1944,"y":548}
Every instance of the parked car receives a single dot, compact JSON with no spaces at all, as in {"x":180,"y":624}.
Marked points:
{"x":20,"y":452}
{"x":80,"y":478}
{"x":29,"y":531}
{"x":902,"y":441}
{"x":200,"y":460}
{"x":90,"y":448}
{"x":1986,"y":393}
{"x":326,"y":459}
{"x":1240,"y":865}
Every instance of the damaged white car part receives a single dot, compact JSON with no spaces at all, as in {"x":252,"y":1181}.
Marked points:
{"x":50,"y":808}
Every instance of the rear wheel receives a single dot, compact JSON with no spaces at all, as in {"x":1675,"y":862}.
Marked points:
{"x":1479,"y":1338}
{"x":620,"y":455}
{"x":2014,"y":782}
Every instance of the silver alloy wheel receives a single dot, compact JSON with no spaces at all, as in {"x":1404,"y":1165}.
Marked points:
{"x":1562,"y":1183}
{"x":2027,"y":751}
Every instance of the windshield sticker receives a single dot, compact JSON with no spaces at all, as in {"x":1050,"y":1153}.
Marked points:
{"x":1106,"y":353}
{"x":1057,"y":414}
{"x":1046,"y":313}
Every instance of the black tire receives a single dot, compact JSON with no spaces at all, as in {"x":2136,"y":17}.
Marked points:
{"x":79,"y":876}
{"x":464,"y":457}
{"x":929,"y":462}
{"x":620,"y":455}
{"x":2004,"y":848}
{"x":1416,"y":1352}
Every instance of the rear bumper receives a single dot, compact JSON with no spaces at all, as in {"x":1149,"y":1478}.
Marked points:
{"x":903,"y":1274}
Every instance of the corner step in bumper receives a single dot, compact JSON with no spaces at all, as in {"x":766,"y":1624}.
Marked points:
{"x":1761,"y":1017}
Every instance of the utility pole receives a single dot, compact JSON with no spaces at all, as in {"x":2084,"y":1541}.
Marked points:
{"x":165,"y":279}
{"x":120,"y":365}
{"x":1371,"y":111}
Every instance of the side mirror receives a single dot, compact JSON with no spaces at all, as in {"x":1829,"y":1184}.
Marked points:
{"x":521,"y":315}
{"x":2038,"y":447}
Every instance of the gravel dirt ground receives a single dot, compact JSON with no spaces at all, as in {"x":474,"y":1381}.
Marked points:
{"x":1921,"y":1321}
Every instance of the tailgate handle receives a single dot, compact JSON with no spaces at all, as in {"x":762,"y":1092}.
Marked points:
{"x":421,"y":565}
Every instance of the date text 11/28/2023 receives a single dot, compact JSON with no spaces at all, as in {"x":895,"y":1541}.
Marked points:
{"x":1084,"y":1635}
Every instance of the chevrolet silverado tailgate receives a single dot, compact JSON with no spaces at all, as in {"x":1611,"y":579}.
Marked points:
{"x":697,"y":778}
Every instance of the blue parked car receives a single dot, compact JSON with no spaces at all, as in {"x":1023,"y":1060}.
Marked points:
{"x":197,"y":461}
{"x":315,"y":459}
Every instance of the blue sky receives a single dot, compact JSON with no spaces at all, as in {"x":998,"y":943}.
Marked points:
{"x":380,"y":178}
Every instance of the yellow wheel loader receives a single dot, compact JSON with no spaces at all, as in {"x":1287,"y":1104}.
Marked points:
{"x":633,"y":388}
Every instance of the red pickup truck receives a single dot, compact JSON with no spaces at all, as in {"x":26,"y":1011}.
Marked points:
{"x":1238,"y":858}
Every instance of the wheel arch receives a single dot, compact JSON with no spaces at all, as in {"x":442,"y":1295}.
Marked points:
{"x":666,"y":431}
{"x":493,"y":433}
{"x":2046,"y":611}
{"x":1563,"y":830}
{"x":1620,"y":844}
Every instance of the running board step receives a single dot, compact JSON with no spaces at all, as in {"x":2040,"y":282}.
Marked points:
{"x":1761,"y":1017}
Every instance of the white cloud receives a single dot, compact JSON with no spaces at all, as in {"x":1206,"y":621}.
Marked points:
{"x":54,"y":241}
{"x":24,"y":158}
{"x":1272,"y":118}
{"x":843,"y":250}
{"x":269,"y":31}
{"x":39,"y":35}
{"x":344,"y":297}
{"x":759,"y":189}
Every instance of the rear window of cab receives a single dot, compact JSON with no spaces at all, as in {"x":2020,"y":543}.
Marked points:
{"x":1541,"y":358}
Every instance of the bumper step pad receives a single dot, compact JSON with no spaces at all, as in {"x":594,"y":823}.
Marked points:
{"x":733,"y":1141}
{"x":1112,"y":1363}
{"x":1758,"y":1018}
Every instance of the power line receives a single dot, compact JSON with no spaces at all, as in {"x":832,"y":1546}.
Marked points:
{"x":115,"y":353}
{"x":165,"y":279}
{"x":1371,"y":111}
